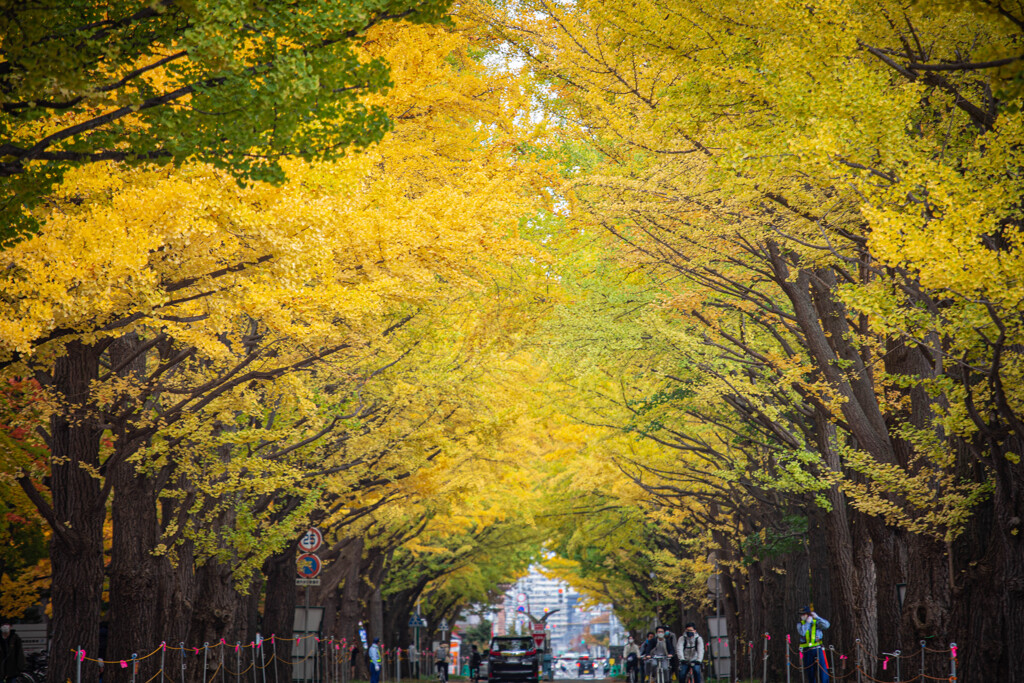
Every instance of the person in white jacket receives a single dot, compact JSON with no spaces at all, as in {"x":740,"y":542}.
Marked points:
{"x":631,"y":665}
{"x":690,"y":651}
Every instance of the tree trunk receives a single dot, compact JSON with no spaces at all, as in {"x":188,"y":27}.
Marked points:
{"x":218,"y":614}
{"x":134,"y":571}
{"x":79,"y":510}
{"x":177,"y":595}
{"x":350,"y":609}
{"x":890,"y":560}
{"x":374,"y":601}
{"x":279,"y":607}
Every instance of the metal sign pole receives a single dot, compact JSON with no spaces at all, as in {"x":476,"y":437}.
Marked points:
{"x":305,"y":632}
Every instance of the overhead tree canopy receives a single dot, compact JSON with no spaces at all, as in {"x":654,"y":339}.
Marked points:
{"x":674,"y":291}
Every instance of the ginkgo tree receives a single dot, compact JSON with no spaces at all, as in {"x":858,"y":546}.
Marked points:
{"x":160,"y":306}
{"x":229,"y":84}
{"x":811,"y":189}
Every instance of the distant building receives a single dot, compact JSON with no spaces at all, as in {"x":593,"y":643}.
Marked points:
{"x":537,"y":594}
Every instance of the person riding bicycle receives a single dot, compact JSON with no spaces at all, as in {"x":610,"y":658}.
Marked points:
{"x":644,"y":646}
{"x":662,"y":646}
{"x":631,"y":656}
{"x":474,"y":664}
{"x":441,"y":662}
{"x":690,"y":650}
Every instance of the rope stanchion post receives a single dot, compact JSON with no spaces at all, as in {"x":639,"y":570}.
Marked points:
{"x":952,"y":663}
{"x":895,"y":655}
{"x":163,"y":657}
{"x":263,"y":660}
{"x":750,"y":656}
{"x":181,"y":646}
{"x":238,"y":661}
{"x":135,"y":664}
{"x":789,"y":664}
{"x":273,"y":644}
{"x":764,"y":663}
{"x":253,"y":646}
{"x":78,"y":664}
{"x":856,"y":649}
{"x":922,"y":662}
{"x":206,"y":655}
{"x":831,"y":663}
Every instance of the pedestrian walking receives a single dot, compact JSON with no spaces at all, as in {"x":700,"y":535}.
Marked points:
{"x":414,"y":661}
{"x":810,"y":627}
{"x":12,"y":653}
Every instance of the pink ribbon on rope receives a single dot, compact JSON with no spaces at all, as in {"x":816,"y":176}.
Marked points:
{"x":124,"y":664}
{"x":81,"y":655}
{"x":885,"y":664}
{"x":953,"y":650}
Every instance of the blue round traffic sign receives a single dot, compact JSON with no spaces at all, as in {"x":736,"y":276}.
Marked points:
{"x":309,"y":566}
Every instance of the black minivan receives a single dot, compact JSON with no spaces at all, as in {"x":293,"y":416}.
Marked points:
{"x":513,"y":658}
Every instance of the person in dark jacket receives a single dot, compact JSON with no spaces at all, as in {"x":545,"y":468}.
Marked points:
{"x":12,"y":653}
{"x":663,"y":645}
{"x":474,"y":664}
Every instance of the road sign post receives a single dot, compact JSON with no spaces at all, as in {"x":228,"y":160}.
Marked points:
{"x":308,"y":567}
{"x":539,"y":634}
{"x":311,"y":540}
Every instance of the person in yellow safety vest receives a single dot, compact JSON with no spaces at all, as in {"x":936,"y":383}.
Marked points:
{"x":812,"y":654}
{"x":375,"y":661}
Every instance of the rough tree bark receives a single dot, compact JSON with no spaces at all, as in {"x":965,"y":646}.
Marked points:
{"x":78,"y":512}
{"x":134,"y":571}
{"x":279,"y":607}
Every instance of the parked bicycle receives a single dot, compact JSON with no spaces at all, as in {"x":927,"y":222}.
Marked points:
{"x":36,"y":671}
